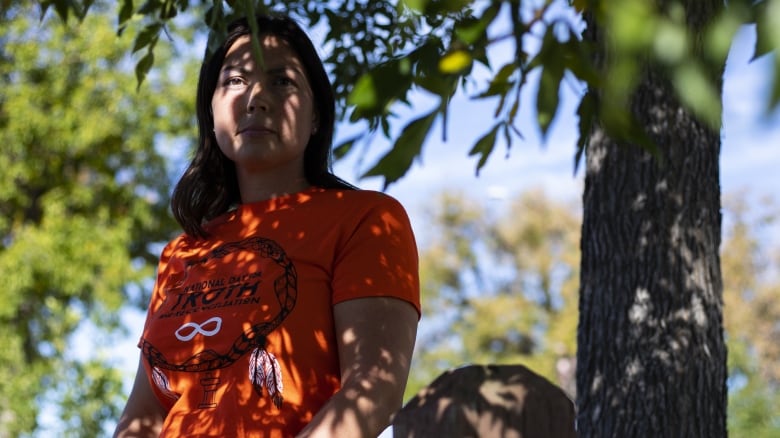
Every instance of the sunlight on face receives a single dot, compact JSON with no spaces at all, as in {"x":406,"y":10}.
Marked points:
{"x":263,"y":114}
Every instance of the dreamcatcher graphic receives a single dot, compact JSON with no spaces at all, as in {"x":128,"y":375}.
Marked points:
{"x":264,"y":370}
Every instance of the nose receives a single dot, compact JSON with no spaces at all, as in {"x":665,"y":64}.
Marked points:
{"x":258,"y":99}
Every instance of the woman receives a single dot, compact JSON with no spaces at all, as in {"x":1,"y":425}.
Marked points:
{"x":289,"y":306}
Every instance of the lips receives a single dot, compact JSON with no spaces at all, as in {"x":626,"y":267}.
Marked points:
{"x":255,"y":130}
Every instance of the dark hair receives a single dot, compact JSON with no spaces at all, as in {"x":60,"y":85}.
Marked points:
{"x":209,"y":186}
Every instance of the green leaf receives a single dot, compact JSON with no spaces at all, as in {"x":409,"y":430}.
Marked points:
{"x":765,"y":28}
{"x":125,"y":13}
{"x":769,"y":33}
{"x":44,"y":8}
{"x":719,"y":36}
{"x":508,"y":137}
{"x":426,"y":57}
{"x":500,"y":84}
{"x":364,"y":94}
{"x":342,"y":149}
{"x":577,"y":59}
{"x":624,"y":127}
{"x":168,"y":10}
{"x":455,"y":62}
{"x":147,"y":37}
{"x":586,"y":112}
{"x":548,"y":52}
{"x":415,"y":5}
{"x":547,"y":96}
{"x":484,"y":147}
{"x":513,"y":110}
{"x":143,"y":66}
{"x":697,"y":89}
{"x":149,"y":7}
{"x":87,"y":4}
{"x":472,"y":29}
{"x":774,"y":97}
{"x":385,"y":126}
{"x":441,"y":86}
{"x":63,"y":8}
{"x":447,"y":7}
{"x":395,"y":163}
{"x":378,"y":89}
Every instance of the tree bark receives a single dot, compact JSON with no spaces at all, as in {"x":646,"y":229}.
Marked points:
{"x":651,"y":358}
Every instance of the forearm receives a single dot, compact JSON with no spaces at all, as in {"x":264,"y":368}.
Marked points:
{"x":137,"y":428}
{"x":143,"y":415}
{"x":362,"y":408}
{"x":375,"y":341}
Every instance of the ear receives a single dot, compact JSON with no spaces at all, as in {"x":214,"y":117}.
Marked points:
{"x":315,"y":123}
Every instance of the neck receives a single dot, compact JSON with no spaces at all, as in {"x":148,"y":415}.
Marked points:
{"x":256,"y":187}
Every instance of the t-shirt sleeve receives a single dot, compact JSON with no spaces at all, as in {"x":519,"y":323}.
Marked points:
{"x":166,"y":275}
{"x":379,"y":257}
{"x":168,"y":271}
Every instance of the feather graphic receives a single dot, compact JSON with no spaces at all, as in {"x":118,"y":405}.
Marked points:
{"x":162,"y":383}
{"x":264,"y":371}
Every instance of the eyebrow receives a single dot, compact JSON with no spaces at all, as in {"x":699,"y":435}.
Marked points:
{"x":228,"y":68}
{"x":274,"y":70}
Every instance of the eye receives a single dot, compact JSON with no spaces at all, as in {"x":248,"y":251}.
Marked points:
{"x":283,"y":81}
{"x":233,"y":82}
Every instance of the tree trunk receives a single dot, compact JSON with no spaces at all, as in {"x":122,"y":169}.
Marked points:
{"x":651,"y":358}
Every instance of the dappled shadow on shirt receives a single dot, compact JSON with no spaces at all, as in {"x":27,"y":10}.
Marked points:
{"x":241,"y":337}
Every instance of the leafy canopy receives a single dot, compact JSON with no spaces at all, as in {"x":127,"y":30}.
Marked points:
{"x":83,"y":196}
{"x":381,"y":52}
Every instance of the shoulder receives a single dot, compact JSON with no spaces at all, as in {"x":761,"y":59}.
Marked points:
{"x":370,"y":214}
{"x":363,"y":199}
{"x":363,"y":207}
{"x":182,"y":243}
{"x":172,"y":247}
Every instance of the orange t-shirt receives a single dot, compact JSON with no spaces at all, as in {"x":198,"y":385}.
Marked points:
{"x":239,"y":338}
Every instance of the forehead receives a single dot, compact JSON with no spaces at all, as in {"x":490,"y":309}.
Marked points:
{"x":275,"y":51}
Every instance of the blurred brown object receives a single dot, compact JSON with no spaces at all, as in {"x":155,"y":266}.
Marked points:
{"x":507,"y":401}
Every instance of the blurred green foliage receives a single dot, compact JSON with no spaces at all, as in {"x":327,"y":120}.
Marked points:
{"x":83,"y":196}
{"x":750,"y":262}
{"x":502,"y":284}
{"x":503,"y":287}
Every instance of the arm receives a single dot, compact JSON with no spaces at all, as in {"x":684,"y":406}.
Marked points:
{"x":143,"y":415}
{"x":375,"y":342}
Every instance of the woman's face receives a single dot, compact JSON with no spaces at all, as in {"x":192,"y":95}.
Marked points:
{"x":263,"y":114}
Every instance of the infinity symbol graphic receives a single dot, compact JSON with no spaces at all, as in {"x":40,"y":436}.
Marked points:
{"x":198,"y":328}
